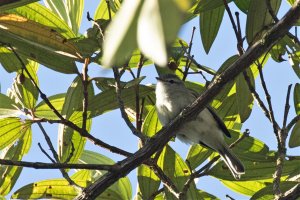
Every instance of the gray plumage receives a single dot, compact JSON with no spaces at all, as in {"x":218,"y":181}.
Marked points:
{"x":207,"y":129}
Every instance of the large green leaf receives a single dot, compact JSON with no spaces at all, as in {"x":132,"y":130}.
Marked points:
{"x":247,"y":187}
{"x":294,"y":140}
{"x":57,"y":7}
{"x":210,"y":22}
{"x":157,"y":27}
{"x":178,"y":171}
{"x":267,"y":193}
{"x":243,"y":5}
{"x":254,"y":170}
{"x":297,"y":98}
{"x":9,"y":60}
{"x":6,"y":5}
{"x":206,"y":5}
{"x":102,"y":9}
{"x":68,"y":138}
{"x":39,"y":42}
{"x":120,"y":38}
{"x":151,"y":123}
{"x":11,"y":129}
{"x":39,"y":13}
{"x":75,"y":10}
{"x":42,"y":110}
{"x":148,"y":182}
{"x":10,"y":174}
{"x":197,"y":154}
{"x":120,"y":189}
{"x":259,"y":18}
{"x":107,"y":100}
{"x":294,"y":61}
{"x":7,"y":107}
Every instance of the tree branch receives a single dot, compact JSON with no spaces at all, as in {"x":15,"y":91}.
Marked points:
{"x":275,"y":33}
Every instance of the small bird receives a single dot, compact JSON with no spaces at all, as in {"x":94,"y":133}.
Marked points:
{"x":207,"y":128}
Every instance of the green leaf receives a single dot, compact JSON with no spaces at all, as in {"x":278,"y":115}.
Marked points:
{"x":120,"y":189}
{"x":7,"y":107}
{"x":244,"y":98}
{"x":206,"y":5}
{"x":197,"y":154}
{"x":6,"y":5}
{"x":259,"y":18}
{"x":68,"y":138}
{"x":10,"y":174}
{"x":40,"y":14}
{"x":9,"y":60}
{"x":297,"y":98}
{"x":53,"y":189}
{"x":39,"y":42}
{"x":148,"y":182}
{"x":75,"y":10}
{"x":294,"y":140}
{"x":294,"y":61}
{"x":57,"y":7}
{"x":102,"y":10}
{"x":254,"y":170}
{"x":177,"y":170}
{"x":24,"y":90}
{"x":42,"y":110}
{"x":160,"y":21}
{"x":210,"y":22}
{"x":243,"y":5}
{"x":11,"y":129}
{"x":247,"y":187}
{"x":267,"y":192}
{"x":120,"y":37}
{"x":107,"y":100}
{"x":151,"y":123}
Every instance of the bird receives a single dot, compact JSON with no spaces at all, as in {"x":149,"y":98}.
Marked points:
{"x":207,"y":129}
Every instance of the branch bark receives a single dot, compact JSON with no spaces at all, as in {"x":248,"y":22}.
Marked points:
{"x":166,"y":133}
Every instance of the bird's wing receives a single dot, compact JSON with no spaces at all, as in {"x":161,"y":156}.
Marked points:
{"x":219,"y":121}
{"x":216,"y":117}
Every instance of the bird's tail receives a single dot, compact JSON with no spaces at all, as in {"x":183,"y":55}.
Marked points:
{"x":234,"y":164}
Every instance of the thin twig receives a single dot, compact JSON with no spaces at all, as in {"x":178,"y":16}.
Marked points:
{"x":122,"y":107}
{"x":287,"y":107}
{"x":154,"y":194}
{"x":46,"y":154}
{"x":188,"y":62}
{"x":85,"y":84}
{"x":41,"y":165}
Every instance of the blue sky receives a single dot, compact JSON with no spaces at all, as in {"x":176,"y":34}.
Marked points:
{"x":111,"y":128}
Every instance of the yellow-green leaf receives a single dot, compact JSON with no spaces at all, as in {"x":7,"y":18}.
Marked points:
{"x":197,"y":154}
{"x":6,"y":5}
{"x":297,"y":98}
{"x":151,"y":123}
{"x":294,"y":140}
{"x":7,"y":107}
{"x":75,"y":10}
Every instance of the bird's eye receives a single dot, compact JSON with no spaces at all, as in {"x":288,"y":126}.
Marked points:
{"x":171,"y":81}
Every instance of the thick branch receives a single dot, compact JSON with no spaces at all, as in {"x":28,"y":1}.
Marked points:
{"x":166,"y":133}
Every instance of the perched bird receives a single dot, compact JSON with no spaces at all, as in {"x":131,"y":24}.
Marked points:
{"x":207,"y":128}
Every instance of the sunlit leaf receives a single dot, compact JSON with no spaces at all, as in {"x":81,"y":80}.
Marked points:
{"x":151,"y":123}
{"x":268,"y":191}
{"x":294,"y":140}
{"x":67,"y":137}
{"x":42,"y":110}
{"x":40,"y":14}
{"x":102,"y":9}
{"x":157,"y":27}
{"x":57,"y":7}
{"x":210,"y":22}
{"x":254,"y":170}
{"x":243,"y":5}
{"x":6,"y":5}
{"x":206,"y":5}
{"x":297,"y":98}
{"x":148,"y":182}
{"x":11,"y":129}
{"x":42,"y":41}
{"x":75,"y":11}
{"x":197,"y":154}
{"x":178,"y":171}
{"x":120,"y":36}
{"x":120,"y":189}
{"x":10,"y":174}
{"x":259,"y":18}
{"x":7,"y":107}
{"x":9,"y":60}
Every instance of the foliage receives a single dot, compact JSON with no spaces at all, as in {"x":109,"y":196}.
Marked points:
{"x":127,"y":36}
